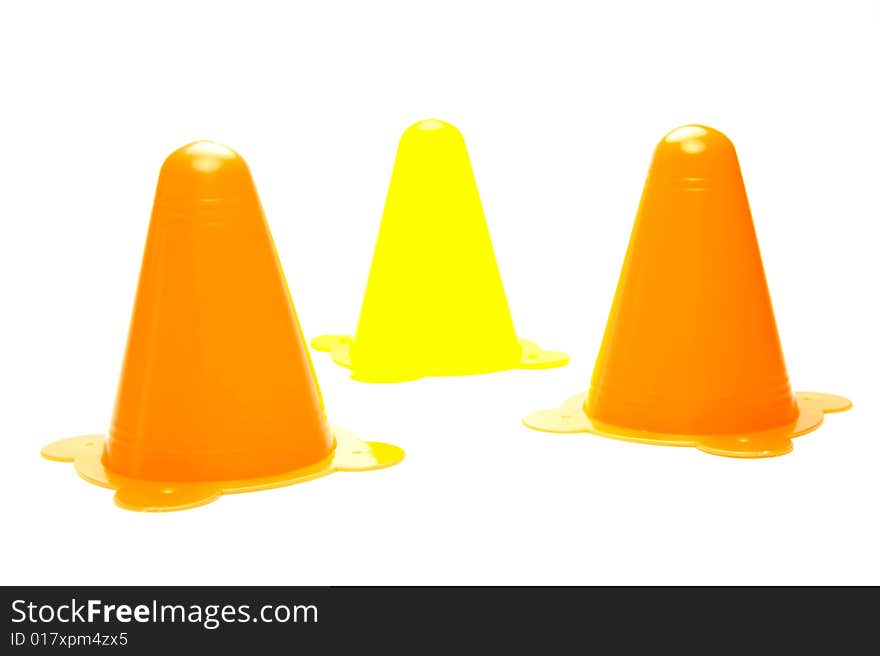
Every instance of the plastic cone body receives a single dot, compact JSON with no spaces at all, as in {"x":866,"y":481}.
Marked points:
{"x":691,"y":345}
{"x":434,"y":303}
{"x":691,"y":353}
{"x":216,"y":382}
{"x":217,"y":392}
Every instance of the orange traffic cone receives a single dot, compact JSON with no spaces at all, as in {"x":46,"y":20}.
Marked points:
{"x":691,"y":356}
{"x":217,"y":392}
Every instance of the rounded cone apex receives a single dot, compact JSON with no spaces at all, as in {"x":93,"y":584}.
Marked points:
{"x":695,"y":138}
{"x":435,"y":142}
{"x":695,"y":155}
{"x":203,"y":156}
{"x":202,"y":175}
{"x":431,"y":125}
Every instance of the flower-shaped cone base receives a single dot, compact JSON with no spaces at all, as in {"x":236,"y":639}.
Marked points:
{"x":572,"y":418}
{"x":532,"y":357}
{"x":350,"y":454}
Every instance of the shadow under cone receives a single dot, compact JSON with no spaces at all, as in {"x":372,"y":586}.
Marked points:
{"x":434,"y":303}
{"x":691,"y":354}
{"x":217,"y":392}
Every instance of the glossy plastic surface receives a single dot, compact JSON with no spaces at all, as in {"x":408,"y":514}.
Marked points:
{"x":691,"y":354}
{"x":217,"y":384}
{"x":434,"y":303}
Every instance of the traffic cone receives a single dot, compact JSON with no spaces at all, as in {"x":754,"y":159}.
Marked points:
{"x":434,"y":303}
{"x":691,"y":355}
{"x":217,"y":392}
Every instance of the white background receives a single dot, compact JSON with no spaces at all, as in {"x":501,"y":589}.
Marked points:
{"x":561,"y":104}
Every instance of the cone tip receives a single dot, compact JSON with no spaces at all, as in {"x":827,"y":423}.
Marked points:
{"x":202,"y":157}
{"x":694,"y":154}
{"x":694,"y":139}
{"x":432,"y":125}
{"x":199,"y":175}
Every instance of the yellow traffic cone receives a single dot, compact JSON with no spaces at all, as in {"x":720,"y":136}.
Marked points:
{"x":435,"y":303}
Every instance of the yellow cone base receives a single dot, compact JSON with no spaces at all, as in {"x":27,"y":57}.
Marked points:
{"x":339,"y":348}
{"x":571,"y":418}
{"x":351,"y":454}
